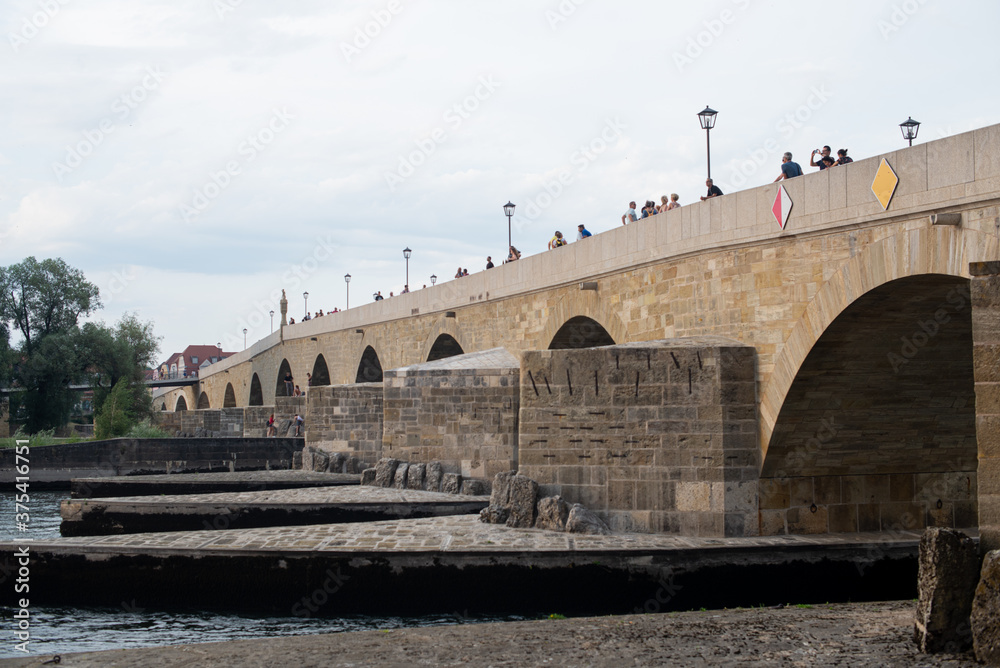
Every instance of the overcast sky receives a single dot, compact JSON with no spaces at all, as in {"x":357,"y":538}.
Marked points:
{"x":195,"y":157}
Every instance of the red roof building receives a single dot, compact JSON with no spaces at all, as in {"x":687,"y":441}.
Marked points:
{"x":187,"y":363}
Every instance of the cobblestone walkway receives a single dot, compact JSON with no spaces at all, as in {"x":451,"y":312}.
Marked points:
{"x":225,"y":476}
{"x":301,"y":495}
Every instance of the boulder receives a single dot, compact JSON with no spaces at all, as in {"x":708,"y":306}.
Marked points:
{"x":432,"y":477}
{"x":499,"y":509}
{"x":581,"y":520}
{"x":368,"y":477}
{"x":552,"y":514}
{"x":399,"y":481}
{"x":986,"y":612}
{"x":320,"y":461}
{"x":948,"y":570}
{"x":415,"y":476}
{"x":385,"y":472}
{"x":354,"y":465}
{"x":494,"y":514}
{"x":337,"y":461}
{"x":475,"y":487}
{"x":451,"y":483}
{"x":523,"y":495}
{"x":283,"y":427}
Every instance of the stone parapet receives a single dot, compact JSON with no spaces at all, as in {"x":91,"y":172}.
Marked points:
{"x":658,"y":436}
{"x":346,"y":418}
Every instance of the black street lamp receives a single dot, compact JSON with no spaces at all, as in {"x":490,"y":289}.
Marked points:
{"x":406,"y":254}
{"x":305,"y":296}
{"x":347,"y":279}
{"x":508,"y":210}
{"x":707,"y":119}
{"x":909,"y":128}
{"x":244,"y":338}
{"x":434,"y":279}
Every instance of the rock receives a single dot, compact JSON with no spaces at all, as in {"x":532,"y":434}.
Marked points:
{"x":337,"y":461}
{"x":297,"y":460}
{"x":581,"y":520}
{"x":432,"y":477}
{"x":284,"y":427}
{"x":494,"y":514}
{"x":320,"y":461}
{"x":552,"y":514}
{"x":199,"y":432}
{"x":475,"y":487}
{"x":946,"y":581}
{"x":354,"y":465}
{"x":986,"y":612}
{"x":399,"y":481}
{"x":385,"y":472}
{"x":523,"y":497}
{"x":368,"y":477}
{"x":451,"y":483}
{"x":499,"y":509}
{"x":415,"y":476}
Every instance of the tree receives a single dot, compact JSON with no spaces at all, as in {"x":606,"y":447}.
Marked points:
{"x":121,"y":354}
{"x":114,"y":417}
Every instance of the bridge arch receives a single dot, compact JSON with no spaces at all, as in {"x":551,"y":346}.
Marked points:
{"x":279,"y":387}
{"x":256,"y":393}
{"x":590,"y":323}
{"x":203,"y":401}
{"x":445,"y":345}
{"x":163,"y":406}
{"x":320,"y":372}
{"x":182,"y":404}
{"x":369,"y":368}
{"x":229,"y":401}
{"x":939,"y":249}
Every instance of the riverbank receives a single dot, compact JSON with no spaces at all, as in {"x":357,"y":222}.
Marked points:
{"x":853,"y":634}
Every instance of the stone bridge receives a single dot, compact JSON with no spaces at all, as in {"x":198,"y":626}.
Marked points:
{"x":860,"y":317}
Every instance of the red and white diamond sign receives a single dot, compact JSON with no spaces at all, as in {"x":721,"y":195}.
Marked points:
{"x":782,"y":206}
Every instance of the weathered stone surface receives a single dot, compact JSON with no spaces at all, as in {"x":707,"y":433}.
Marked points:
{"x":354,"y":465}
{"x":985,"y":617}
{"x":494,"y":514}
{"x":337,"y":461}
{"x":946,"y":580}
{"x":399,"y":481}
{"x":368,"y":477}
{"x":475,"y":487}
{"x":385,"y":472}
{"x":451,"y":483}
{"x":297,"y":460}
{"x":415,"y":476}
{"x":581,"y":520}
{"x":432,"y":477}
{"x":523,"y":496}
{"x":320,"y":461}
{"x":552,"y":514}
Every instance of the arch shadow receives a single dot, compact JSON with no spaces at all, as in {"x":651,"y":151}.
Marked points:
{"x":203,"y":402}
{"x":580,"y":332}
{"x":370,"y":368}
{"x":181,"y":405}
{"x":444,"y":346}
{"x":256,"y":393}
{"x":280,"y":387}
{"x":229,"y":401}
{"x":320,"y":372}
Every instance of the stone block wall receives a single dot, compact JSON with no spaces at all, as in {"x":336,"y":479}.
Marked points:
{"x":876,"y":502}
{"x":461,"y":411}
{"x":255,"y":420}
{"x":985,"y":289}
{"x":657,"y":437}
{"x":346,"y":418}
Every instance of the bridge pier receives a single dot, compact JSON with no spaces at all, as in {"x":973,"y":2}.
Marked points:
{"x":985,"y":289}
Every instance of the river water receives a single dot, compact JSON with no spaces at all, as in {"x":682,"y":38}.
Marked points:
{"x":65,"y":630}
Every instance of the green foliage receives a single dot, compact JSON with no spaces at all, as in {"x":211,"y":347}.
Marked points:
{"x":122,"y":352}
{"x":556,"y":615}
{"x":146,"y":429}
{"x":114,"y":417}
{"x":46,"y":437}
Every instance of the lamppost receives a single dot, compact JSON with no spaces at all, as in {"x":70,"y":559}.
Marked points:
{"x":244,"y":338}
{"x":305,"y":296}
{"x":508,"y":210}
{"x":707,"y":119}
{"x":272,"y":321}
{"x":434,"y":279}
{"x":406,"y":254}
{"x":909,"y":128}
{"x":347,"y":279}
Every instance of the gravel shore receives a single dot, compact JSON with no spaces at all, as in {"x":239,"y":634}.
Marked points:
{"x":857,"y":634}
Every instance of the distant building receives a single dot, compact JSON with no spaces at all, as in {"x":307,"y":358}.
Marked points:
{"x":187,"y":363}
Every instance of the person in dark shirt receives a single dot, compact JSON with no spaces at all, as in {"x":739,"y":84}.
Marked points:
{"x":489,"y":262}
{"x":789,"y":169}
{"x":824,"y":153}
{"x":842,"y":158}
{"x":713,"y":190}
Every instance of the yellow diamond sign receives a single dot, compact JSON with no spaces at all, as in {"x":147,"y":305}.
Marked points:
{"x":884,"y":184}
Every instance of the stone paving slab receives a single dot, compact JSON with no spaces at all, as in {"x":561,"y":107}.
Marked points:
{"x":188,"y":483}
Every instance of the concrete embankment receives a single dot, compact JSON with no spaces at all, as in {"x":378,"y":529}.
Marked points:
{"x":206,"y":483}
{"x":457,"y":563}
{"x":53,"y":466}
{"x":320,"y":505}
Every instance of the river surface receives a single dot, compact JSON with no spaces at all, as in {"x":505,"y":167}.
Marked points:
{"x":65,"y":630}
